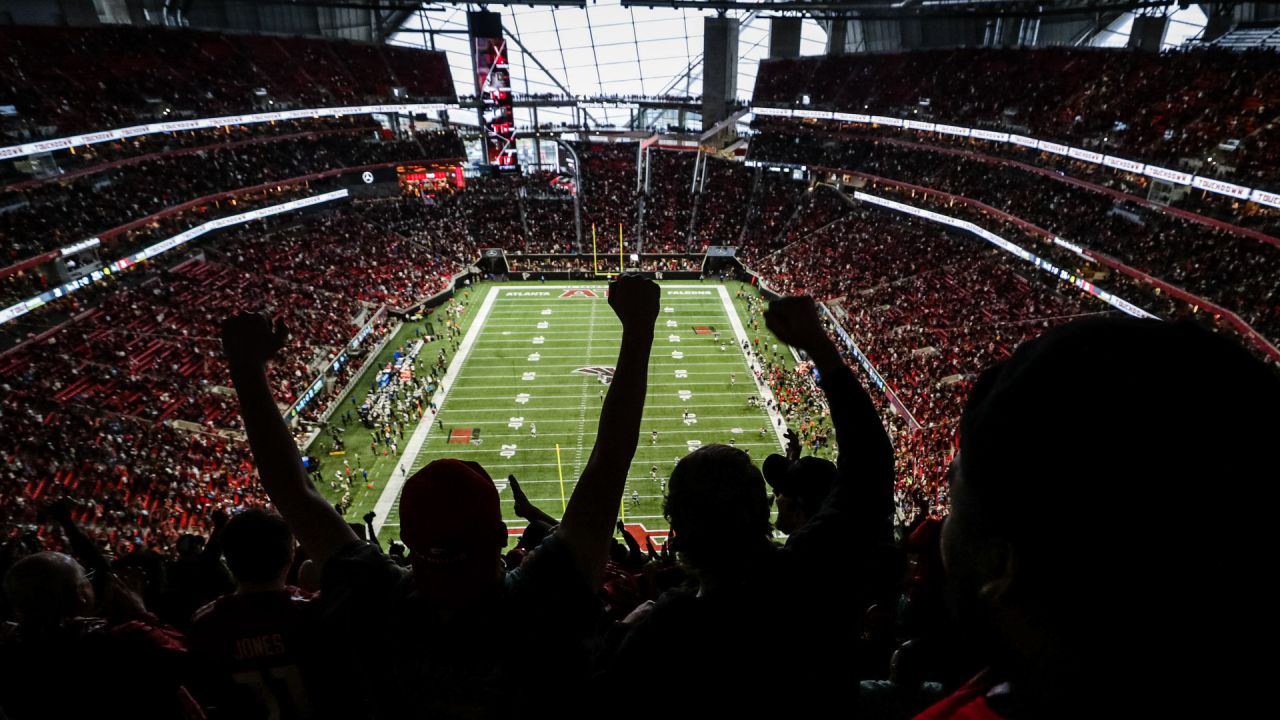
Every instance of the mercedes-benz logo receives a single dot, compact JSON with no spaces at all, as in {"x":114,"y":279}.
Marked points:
{"x":367,"y":177}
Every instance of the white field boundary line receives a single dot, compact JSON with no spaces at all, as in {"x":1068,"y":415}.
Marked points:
{"x":411,"y":449}
{"x":779,"y":427}
{"x":659,"y":536}
{"x":748,"y":436}
{"x":527,"y":335}
{"x":662,"y":346}
{"x":557,"y":482}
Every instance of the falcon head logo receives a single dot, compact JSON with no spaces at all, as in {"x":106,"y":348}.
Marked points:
{"x":604,"y":374}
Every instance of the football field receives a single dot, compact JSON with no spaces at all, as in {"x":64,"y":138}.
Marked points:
{"x":529,"y":377}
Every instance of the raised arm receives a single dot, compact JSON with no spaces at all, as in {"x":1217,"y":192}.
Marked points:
{"x":249,"y":341}
{"x":635,"y":557}
{"x":793,"y":445}
{"x":84,"y":549}
{"x":369,"y":530}
{"x":860,"y":504}
{"x":587,"y":525}
{"x":525,"y":508}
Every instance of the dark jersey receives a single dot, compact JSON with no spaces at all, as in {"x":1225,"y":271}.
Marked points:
{"x":255,"y":650}
{"x":509,"y":655}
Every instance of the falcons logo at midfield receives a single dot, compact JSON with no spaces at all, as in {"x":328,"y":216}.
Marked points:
{"x":604,"y":374}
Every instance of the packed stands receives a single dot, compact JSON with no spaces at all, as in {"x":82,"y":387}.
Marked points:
{"x":609,"y":197}
{"x":55,"y":215}
{"x":141,"y":368}
{"x":668,"y":202}
{"x":1062,"y":439}
{"x":717,"y":220}
{"x":154,"y":73}
{"x":1232,"y":269}
{"x":1153,"y":107}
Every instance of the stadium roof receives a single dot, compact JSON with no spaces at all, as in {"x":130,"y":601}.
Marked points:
{"x":654,"y":47}
{"x":602,"y":49}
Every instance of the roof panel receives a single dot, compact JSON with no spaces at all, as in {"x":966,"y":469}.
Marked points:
{"x":667,"y":41}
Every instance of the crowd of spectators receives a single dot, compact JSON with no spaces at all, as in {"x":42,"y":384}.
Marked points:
{"x":925,"y":618}
{"x":359,"y":257}
{"x":840,"y":140}
{"x":609,"y":193}
{"x":17,"y":284}
{"x":772,"y":204}
{"x":64,"y":81}
{"x":100,"y":157}
{"x":1232,"y":269}
{"x":804,"y":212}
{"x":667,"y":201}
{"x":930,"y":311}
{"x":718,"y":211}
{"x":155,"y":412}
{"x":116,"y":206}
{"x":396,"y":251}
{"x":551,"y":227}
{"x":1160,"y":108}
{"x":138,"y":366}
{"x":59,"y":214}
{"x":134,"y":484}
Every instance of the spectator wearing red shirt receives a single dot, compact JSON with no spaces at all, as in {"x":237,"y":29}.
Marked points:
{"x":113,"y":659}
{"x":256,"y":646}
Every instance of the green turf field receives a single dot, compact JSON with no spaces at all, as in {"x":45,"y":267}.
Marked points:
{"x":522,"y":364}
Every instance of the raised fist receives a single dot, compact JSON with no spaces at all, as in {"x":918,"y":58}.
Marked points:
{"x":249,"y":340}
{"x":795,"y":321}
{"x":634,"y":300}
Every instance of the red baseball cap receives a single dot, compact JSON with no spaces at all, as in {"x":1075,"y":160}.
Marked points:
{"x":449,"y":503}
